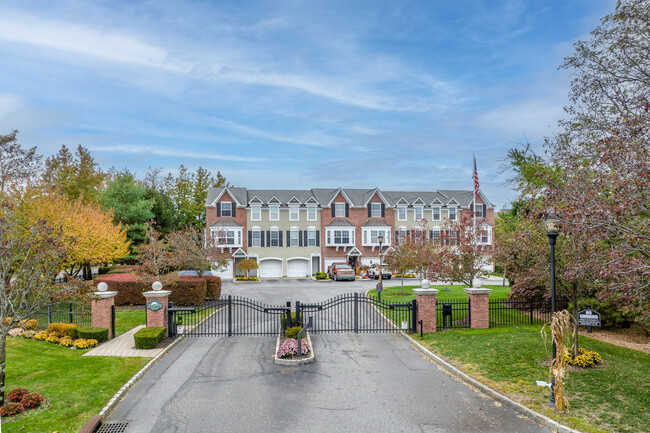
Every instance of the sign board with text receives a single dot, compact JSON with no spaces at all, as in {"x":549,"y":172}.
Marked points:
{"x":588,"y":317}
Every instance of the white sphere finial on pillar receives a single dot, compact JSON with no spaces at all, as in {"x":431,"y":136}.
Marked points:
{"x":102,"y":287}
{"x":157,"y":286}
{"x":425,"y":284}
{"x":477,"y":282}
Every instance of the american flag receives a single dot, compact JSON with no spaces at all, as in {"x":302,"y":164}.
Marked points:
{"x":475,"y":177}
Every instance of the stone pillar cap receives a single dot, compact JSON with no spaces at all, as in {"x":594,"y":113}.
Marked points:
{"x":477,"y":291}
{"x":105,"y":295}
{"x":157,"y":293}
{"x":426,"y":291}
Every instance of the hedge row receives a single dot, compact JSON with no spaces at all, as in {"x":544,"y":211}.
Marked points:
{"x":148,"y":338}
{"x":186,"y":290}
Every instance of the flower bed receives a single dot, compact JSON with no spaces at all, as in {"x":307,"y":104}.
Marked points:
{"x":21,"y":400}
{"x":286,"y":351}
{"x":65,"y":334}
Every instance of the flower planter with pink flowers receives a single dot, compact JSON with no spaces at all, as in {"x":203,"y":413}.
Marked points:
{"x":286,"y":351}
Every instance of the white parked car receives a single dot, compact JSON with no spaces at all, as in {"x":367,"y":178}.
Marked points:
{"x":373,"y":272}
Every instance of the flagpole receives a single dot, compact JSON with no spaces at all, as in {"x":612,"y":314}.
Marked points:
{"x":474,"y":199}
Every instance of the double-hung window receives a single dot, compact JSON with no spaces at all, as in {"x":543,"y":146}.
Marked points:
{"x":256,"y":212}
{"x":340,"y":237}
{"x":418,"y":213}
{"x":436,"y":235}
{"x":436,"y":213}
{"x":294,"y":238}
{"x":339,"y":210}
{"x":256,"y":238}
{"x":311,"y":213}
{"x":401,"y":213}
{"x":311,"y":238}
{"x":375,"y":210}
{"x":226,"y":208}
{"x":274,"y":213}
{"x":452,"y":213}
{"x":370,"y":237}
{"x":274,"y":238}
{"x":479,"y":210}
{"x":294,"y":214}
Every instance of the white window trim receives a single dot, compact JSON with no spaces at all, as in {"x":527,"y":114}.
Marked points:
{"x":449,"y":208}
{"x":338,"y":206}
{"x":433,"y":213}
{"x":291,"y":233}
{"x":271,"y":207}
{"x":398,"y":211}
{"x":415,"y":212}
{"x":259,"y":214}
{"x":310,"y":208}
{"x":237,"y":234}
{"x":483,"y":212}
{"x":259,"y":232}
{"x":329,"y":237}
{"x":221,"y":208}
{"x":367,"y":238}
{"x":372,"y":210}
{"x":274,"y":230}
{"x":311,"y":230}
{"x":488,"y":229}
{"x":291,"y":209}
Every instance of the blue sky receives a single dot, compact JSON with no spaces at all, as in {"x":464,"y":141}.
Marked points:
{"x":293,"y":94}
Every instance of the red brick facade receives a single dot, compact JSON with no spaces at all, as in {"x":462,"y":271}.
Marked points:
{"x":479,"y":311}
{"x":102,"y":315}
{"x":426,"y":306}
{"x":357,"y":217}
{"x":240,"y":217}
{"x":158,"y":318}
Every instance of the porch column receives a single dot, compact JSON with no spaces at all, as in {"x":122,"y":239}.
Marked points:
{"x":479,"y":307}
{"x":157,"y":301}
{"x":102,"y":308}
{"x":425,"y":299}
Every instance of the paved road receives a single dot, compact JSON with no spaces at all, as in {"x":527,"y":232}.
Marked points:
{"x":359,"y":383}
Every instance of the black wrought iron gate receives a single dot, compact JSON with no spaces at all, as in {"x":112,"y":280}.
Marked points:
{"x":234,"y":315}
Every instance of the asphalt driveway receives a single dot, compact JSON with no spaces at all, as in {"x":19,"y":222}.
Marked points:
{"x":359,"y":383}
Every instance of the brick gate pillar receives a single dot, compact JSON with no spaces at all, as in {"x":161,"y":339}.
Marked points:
{"x":157,"y":301}
{"x":101,"y":307}
{"x":479,"y":307}
{"x":425,"y":299}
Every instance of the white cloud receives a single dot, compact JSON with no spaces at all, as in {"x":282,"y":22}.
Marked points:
{"x":158,"y":151}
{"x":9,"y":104}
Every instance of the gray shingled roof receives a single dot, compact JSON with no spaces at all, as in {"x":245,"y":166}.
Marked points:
{"x":357,"y":197}
{"x":225,"y":223}
{"x":340,"y":223}
{"x":375,"y":222}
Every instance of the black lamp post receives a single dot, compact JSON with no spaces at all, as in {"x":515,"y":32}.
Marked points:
{"x":552,"y":226}
{"x":380,"y":239}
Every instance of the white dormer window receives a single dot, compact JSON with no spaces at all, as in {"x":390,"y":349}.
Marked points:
{"x":418,"y":213}
{"x":311,"y":213}
{"x":294,"y":214}
{"x":436,"y":213}
{"x":256,"y":212}
{"x":375,"y":210}
{"x":274,"y":212}
{"x":401,"y":213}
{"x":452,"y":213}
{"x":226,"y":208}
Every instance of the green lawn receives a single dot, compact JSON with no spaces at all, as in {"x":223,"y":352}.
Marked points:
{"x":77,"y":387}
{"x":615,"y":398}
{"x":456,"y":292}
{"x":127,"y":319}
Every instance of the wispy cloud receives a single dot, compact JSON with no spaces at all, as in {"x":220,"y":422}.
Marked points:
{"x":154,"y":150}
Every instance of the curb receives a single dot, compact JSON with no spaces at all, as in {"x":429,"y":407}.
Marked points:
{"x":518,"y":407}
{"x":120,"y":393}
{"x":281,"y":361}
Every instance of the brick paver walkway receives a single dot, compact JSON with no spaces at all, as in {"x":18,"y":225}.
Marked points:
{"x":124,"y":346}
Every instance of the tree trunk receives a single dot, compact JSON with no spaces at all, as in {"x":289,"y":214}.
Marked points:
{"x":402,"y":283}
{"x":503,"y":284}
{"x":575,"y":322}
{"x":3,"y":356}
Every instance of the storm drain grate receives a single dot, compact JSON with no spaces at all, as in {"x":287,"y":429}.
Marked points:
{"x":113,"y":427}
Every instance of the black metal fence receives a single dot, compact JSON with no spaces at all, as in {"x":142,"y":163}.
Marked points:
{"x":453,"y":314}
{"x":227,"y":316}
{"x":357,"y":312}
{"x":509,"y":312}
{"x":67,"y":312}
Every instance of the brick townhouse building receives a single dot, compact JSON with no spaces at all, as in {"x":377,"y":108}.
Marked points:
{"x":296,"y":233}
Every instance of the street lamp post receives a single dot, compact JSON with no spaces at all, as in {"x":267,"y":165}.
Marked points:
{"x":380,"y":239}
{"x":552,"y":226}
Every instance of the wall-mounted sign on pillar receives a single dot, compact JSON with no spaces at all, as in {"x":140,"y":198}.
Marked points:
{"x":157,"y":301}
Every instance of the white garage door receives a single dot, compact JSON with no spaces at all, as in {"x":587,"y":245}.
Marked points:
{"x":297,"y":268}
{"x":225,"y":274}
{"x":367,"y":261}
{"x":271,"y":269}
{"x":328,"y":262}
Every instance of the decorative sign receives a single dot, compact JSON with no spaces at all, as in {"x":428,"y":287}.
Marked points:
{"x":588,"y":317}
{"x":405,"y":324}
{"x":154,"y":305}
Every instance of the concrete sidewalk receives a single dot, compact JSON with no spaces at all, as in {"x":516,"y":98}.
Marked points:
{"x":124,"y":345}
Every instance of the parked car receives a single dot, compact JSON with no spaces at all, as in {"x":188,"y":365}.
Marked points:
{"x":194,"y":273}
{"x":341,"y":271}
{"x":373,"y":272}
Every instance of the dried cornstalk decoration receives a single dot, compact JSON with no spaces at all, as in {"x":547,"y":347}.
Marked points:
{"x":561,"y":326}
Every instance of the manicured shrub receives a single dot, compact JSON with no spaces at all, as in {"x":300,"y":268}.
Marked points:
{"x":53,"y":339}
{"x":42,"y":336}
{"x":17,"y":394}
{"x":66,"y":341}
{"x":293,"y":332}
{"x":186,"y":290}
{"x":10,"y":409}
{"x":63,"y":329}
{"x":294,"y":322}
{"x":28,"y":334}
{"x":213,"y":286}
{"x":148,"y":338}
{"x":28,"y":324}
{"x":321,"y":276}
{"x":82,"y":343}
{"x":89,"y":332}
{"x":129,"y":287}
{"x":585,"y":358}
{"x":32,"y":399}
